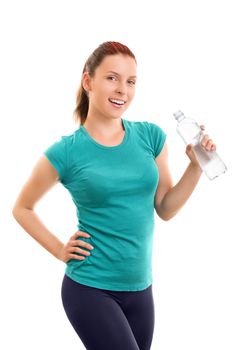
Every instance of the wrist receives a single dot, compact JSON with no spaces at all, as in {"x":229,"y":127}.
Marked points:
{"x":59,"y":250}
{"x":196,"y":168}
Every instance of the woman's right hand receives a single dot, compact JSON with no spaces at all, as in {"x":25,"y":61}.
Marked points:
{"x":73,"y":246}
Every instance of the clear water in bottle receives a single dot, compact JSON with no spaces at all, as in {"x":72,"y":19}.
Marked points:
{"x":191,"y":133}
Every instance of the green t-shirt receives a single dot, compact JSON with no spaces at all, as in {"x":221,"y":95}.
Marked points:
{"x":113,"y":189}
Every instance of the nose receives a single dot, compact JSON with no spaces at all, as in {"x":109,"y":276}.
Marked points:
{"x":121,"y":89}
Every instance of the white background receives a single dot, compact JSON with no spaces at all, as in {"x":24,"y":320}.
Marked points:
{"x":184,"y":54}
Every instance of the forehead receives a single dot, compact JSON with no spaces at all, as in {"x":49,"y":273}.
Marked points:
{"x":121,"y":64}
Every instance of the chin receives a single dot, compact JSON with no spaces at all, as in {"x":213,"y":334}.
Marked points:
{"x":116,"y":116}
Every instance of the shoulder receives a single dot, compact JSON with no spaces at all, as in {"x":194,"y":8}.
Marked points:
{"x":59,"y":153}
{"x":151,"y":133}
{"x":61,"y":144}
{"x":147,"y":127}
{"x":70,"y":139}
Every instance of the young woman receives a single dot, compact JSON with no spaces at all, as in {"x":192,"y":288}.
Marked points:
{"x":117,"y":173}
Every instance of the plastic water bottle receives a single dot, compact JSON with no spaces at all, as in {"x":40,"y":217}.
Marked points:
{"x":191,"y":133}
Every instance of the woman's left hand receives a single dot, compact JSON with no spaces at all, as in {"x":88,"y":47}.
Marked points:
{"x":206,"y":143}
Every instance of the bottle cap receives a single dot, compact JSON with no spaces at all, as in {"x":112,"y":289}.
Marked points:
{"x":178,"y":114}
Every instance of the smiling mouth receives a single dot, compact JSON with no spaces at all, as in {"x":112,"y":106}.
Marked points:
{"x":117,"y":102}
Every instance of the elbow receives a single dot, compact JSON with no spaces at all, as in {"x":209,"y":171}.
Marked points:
{"x":18,"y":211}
{"x":164,"y":210}
{"x":14,"y":212}
{"x":18,"y":208}
{"x":166,"y":218}
{"x":166,"y":215}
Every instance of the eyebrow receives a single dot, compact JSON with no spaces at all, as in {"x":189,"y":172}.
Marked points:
{"x":132,"y":76}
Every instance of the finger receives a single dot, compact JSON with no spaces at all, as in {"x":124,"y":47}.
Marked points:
{"x":70,"y":250}
{"x":189,"y":147}
{"x":83,"y":252}
{"x":77,"y":257}
{"x":83,"y":234}
{"x":210,"y":145}
{"x":204,"y":140}
{"x":79,"y":242}
{"x":80,"y":233}
{"x":74,"y":243}
{"x":78,"y":250}
{"x":202,"y":127}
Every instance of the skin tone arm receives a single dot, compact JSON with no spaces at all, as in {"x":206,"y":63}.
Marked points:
{"x":44,"y":177}
{"x":169,"y":199}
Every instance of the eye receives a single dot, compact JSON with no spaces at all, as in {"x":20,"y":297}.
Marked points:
{"x":111,"y":78}
{"x":131,"y":82}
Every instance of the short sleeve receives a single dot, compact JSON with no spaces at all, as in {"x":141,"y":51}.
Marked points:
{"x":57,"y":155}
{"x":158,"y":138}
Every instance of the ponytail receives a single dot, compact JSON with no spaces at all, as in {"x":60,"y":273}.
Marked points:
{"x":82,"y":105}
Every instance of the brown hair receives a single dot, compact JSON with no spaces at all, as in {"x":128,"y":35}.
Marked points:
{"x":94,"y":60}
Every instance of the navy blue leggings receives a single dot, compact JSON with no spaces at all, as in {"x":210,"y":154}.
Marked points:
{"x":109,"y":320}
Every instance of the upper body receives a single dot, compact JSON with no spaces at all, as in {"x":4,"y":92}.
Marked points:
{"x":117,"y":173}
{"x":113,"y":189}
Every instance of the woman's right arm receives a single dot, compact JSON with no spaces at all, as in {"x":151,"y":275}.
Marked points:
{"x":42,"y":179}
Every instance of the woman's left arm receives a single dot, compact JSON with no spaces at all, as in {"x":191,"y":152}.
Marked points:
{"x":169,"y":199}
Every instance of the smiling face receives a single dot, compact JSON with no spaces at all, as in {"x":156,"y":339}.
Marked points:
{"x":112,"y":88}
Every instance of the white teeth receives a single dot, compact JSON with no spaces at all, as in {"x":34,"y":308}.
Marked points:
{"x":119,"y":102}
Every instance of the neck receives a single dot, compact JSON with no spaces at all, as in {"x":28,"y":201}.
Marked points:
{"x":103,"y":126}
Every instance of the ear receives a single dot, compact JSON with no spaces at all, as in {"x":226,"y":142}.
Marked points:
{"x":86,"y":81}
